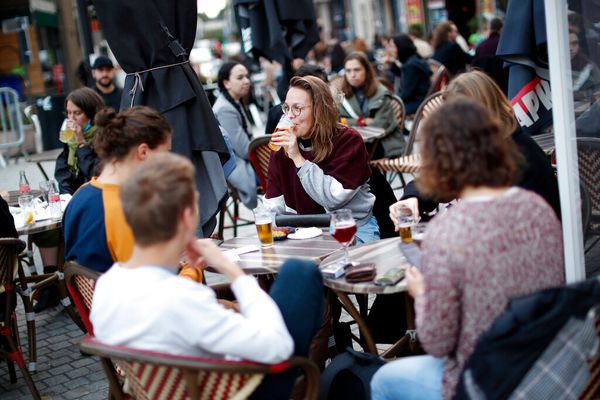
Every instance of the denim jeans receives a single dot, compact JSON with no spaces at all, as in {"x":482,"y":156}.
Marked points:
{"x":298,"y":291}
{"x":409,"y":378}
{"x":368,"y":232}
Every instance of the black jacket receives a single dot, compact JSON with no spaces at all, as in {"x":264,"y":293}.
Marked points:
{"x":452,"y":56}
{"x":87,"y":161}
{"x":415,"y":82}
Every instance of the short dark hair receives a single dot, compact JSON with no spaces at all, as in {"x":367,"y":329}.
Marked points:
{"x":119,"y":133}
{"x":405,"y":47}
{"x":87,"y":99}
{"x":463,"y":146}
{"x":496,"y":24}
{"x":416,"y":30}
{"x":156,"y":195}
{"x":312,"y":70}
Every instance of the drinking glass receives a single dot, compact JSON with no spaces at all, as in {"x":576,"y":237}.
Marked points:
{"x":264,"y":221}
{"x":418,"y":231}
{"x":46,"y":187}
{"x":26,"y":205}
{"x":283,"y":125}
{"x":406,"y":219}
{"x":66,"y":131}
{"x":343,"y":228}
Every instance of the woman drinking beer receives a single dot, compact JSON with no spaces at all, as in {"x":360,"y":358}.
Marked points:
{"x":323,"y":165}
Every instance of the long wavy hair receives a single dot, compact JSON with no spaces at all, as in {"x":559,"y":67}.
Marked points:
{"x":325,"y":127}
{"x":480,"y":87}
{"x":440,"y":33}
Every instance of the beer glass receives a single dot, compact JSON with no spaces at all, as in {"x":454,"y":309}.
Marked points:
{"x":264,"y":221}
{"x":67,"y":133}
{"x":283,"y":125}
{"x":26,"y":206}
{"x":406,"y":219}
{"x":343,"y":228}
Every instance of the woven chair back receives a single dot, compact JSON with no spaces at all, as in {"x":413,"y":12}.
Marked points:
{"x":259,"y":155}
{"x":588,"y":155}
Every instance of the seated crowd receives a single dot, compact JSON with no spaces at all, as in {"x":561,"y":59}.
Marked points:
{"x":134,"y":217}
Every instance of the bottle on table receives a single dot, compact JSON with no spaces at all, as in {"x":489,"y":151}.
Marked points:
{"x":24,"y":187}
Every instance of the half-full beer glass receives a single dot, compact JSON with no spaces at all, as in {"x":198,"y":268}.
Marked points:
{"x":283,"y":125}
{"x":264,"y":221}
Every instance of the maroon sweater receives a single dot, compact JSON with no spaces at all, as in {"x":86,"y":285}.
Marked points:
{"x":347,"y":164}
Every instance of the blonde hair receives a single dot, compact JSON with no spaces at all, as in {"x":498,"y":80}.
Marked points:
{"x":325,"y":127}
{"x":480,"y":87}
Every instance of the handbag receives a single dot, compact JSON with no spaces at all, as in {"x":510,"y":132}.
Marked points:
{"x":361,"y":273}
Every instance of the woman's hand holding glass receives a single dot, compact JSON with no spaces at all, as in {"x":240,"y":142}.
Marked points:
{"x":411,"y":203}
{"x":289,"y":142}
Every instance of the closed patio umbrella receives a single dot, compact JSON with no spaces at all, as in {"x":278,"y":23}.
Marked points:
{"x":523,"y":46}
{"x":278,"y":30}
{"x":151,"y":40}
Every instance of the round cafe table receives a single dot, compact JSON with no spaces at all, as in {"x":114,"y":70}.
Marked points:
{"x":385,"y":254}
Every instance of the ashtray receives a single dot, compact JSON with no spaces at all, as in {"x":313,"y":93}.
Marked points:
{"x":280,"y":233}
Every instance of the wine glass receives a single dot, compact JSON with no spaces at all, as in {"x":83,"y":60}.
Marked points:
{"x":343,"y":229}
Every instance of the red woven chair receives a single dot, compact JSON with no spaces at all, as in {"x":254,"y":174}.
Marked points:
{"x":588,"y":156}
{"x":80,"y":282}
{"x":156,"y":376}
{"x":259,"y":155}
{"x":10,"y":349}
{"x":440,"y":77}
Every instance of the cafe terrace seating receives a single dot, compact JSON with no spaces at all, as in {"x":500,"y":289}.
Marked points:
{"x":409,"y":162}
{"x":152,"y":375}
{"x":10,"y":349}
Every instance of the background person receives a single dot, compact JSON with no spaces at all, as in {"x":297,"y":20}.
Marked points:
{"x":415,"y":74}
{"x":95,"y":231}
{"x":234,"y":84}
{"x":157,"y":310}
{"x":103,"y":72}
{"x":76,"y":164}
{"x":446,"y":50}
{"x":323,"y":166}
{"x":496,"y":243}
{"x":369,"y":104}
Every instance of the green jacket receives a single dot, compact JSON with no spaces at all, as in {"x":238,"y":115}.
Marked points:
{"x":383,"y":114}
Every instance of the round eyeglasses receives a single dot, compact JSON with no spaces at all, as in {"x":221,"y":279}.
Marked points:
{"x":295,"y":109}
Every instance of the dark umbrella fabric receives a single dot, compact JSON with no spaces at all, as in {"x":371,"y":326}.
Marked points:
{"x":278,"y":30}
{"x":523,"y":46}
{"x":151,"y":40}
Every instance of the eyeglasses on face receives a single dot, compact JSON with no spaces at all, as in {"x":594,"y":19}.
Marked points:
{"x":295,"y":109}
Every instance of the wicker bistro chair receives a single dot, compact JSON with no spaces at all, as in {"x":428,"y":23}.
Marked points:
{"x":259,"y":154}
{"x":440,"y":78}
{"x":80,"y":282}
{"x":588,"y":156}
{"x":409,"y":163}
{"x":10,"y":348}
{"x":156,"y":376}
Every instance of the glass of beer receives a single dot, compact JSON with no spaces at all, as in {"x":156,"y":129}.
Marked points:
{"x":406,"y":219}
{"x":283,"y":125}
{"x":264,"y":221}
{"x":67,"y":133}
{"x":343,"y":228}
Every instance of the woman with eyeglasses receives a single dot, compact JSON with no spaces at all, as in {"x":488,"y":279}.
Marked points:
{"x":322,"y":165}
{"x":78,"y":160}
{"x":367,"y":103}
{"x":234,"y":85}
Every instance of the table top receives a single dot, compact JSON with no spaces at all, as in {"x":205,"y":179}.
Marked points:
{"x":370,"y":133}
{"x":545,"y":141}
{"x":50,"y":155}
{"x":39,"y":226}
{"x":268,"y":261}
{"x":385,"y":254}
{"x":12,"y":196}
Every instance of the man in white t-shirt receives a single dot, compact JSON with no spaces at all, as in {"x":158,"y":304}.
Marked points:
{"x":144,"y":304}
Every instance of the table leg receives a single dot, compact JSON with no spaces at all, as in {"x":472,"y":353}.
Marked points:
{"x":365,"y":334}
{"x":42,"y":170}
